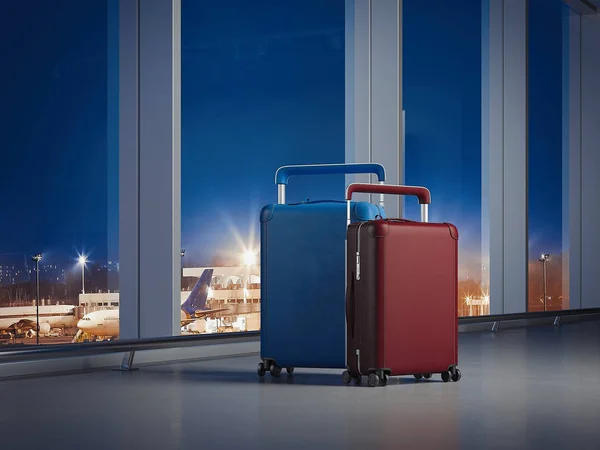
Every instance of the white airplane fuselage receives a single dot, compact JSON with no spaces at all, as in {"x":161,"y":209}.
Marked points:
{"x":51,"y":316}
{"x":105,"y":322}
{"x":100,"y":323}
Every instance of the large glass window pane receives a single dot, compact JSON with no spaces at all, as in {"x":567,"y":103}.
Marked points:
{"x":442,"y":103}
{"x":59,"y":171}
{"x":548,"y":251}
{"x":262,"y":86}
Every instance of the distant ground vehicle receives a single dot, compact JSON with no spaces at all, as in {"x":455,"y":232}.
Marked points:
{"x":56,"y":332}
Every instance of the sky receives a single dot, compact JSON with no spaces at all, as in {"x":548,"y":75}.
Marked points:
{"x":261,"y":87}
{"x":53,"y":127}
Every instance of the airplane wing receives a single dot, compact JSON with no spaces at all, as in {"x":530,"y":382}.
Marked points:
{"x":23,"y":324}
{"x":202,"y":314}
{"x":187,"y":321}
{"x":208,"y":312}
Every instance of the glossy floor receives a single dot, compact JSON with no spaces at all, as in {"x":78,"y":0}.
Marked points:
{"x":536,"y":388}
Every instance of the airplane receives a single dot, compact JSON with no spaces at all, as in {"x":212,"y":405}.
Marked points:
{"x":23,"y":318}
{"x":100,"y":323}
{"x":106,"y":322}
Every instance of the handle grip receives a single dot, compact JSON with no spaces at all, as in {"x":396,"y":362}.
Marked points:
{"x":421,"y":193}
{"x":283,"y":174}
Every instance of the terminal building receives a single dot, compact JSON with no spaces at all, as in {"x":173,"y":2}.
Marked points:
{"x":154,"y":133}
{"x":235,"y":288}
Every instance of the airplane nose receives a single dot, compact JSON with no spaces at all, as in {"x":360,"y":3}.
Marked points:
{"x":81,"y":324}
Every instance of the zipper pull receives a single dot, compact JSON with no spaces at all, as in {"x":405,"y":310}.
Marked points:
{"x":358,"y":265}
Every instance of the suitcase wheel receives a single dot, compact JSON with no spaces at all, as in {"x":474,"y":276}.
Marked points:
{"x":451,"y":374}
{"x":261,"y":369}
{"x":373,"y":380}
{"x":384,"y":380}
{"x":270,"y":366}
{"x":346,"y":377}
{"x":427,"y":376}
{"x":456,"y":376}
{"x":275,"y":370}
{"x":378,"y":379}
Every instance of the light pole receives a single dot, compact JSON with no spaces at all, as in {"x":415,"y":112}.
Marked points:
{"x":37,"y":258}
{"x":182,"y":255}
{"x":82,"y":261}
{"x":544,"y":259}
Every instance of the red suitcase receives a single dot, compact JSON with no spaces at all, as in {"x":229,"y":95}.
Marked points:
{"x":401,"y":297}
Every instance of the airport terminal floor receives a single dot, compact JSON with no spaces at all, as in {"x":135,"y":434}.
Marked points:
{"x":527,"y":388}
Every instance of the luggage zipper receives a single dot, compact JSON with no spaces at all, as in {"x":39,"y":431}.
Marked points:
{"x":358,"y":278}
{"x":358,"y":251}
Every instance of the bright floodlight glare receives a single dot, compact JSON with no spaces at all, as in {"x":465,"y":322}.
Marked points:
{"x":486,"y":298}
{"x":249,"y":258}
{"x":37,"y":257}
{"x":82,"y":259}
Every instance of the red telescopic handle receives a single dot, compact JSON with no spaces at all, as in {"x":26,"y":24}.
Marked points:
{"x":421,"y":193}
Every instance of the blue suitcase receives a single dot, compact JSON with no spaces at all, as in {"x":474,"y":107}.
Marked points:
{"x":302,"y":267}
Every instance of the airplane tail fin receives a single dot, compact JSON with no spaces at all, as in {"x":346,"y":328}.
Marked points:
{"x":197,"y":298}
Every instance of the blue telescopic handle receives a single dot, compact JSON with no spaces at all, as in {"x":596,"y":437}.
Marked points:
{"x":283,"y":174}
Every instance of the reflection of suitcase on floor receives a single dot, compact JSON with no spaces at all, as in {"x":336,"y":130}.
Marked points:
{"x":402,"y":289}
{"x":302,"y":265}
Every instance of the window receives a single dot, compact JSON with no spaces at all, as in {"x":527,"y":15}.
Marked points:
{"x":263,"y":85}
{"x":548,"y":275}
{"x":59,"y":143}
{"x":442,"y":103}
